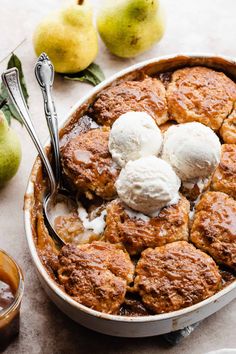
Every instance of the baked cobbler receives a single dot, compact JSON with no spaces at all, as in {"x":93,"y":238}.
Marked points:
{"x":214,"y":227}
{"x":88,"y":165}
{"x":223,"y":179}
{"x":96,"y":274}
{"x":174,"y":276}
{"x":148,"y":95}
{"x":228,"y":128}
{"x":152,"y":234}
{"x":202,"y":95}
{"x":136,"y":232}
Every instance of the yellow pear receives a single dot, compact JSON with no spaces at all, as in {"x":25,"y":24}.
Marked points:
{"x":130,"y":27}
{"x":10,"y":151}
{"x":68,"y":37}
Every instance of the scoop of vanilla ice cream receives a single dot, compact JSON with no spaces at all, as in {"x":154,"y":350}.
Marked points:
{"x":147,"y":185}
{"x":134,"y":135}
{"x":192,"y":149}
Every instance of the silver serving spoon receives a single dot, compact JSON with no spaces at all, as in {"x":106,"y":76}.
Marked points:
{"x":44,"y":72}
{"x":10,"y":79}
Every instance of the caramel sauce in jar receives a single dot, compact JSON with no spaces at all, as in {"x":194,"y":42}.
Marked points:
{"x":6,"y":295}
{"x":11,"y":291}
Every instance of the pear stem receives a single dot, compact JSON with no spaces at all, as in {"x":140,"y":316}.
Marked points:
{"x":3,"y":103}
{"x":80,"y":2}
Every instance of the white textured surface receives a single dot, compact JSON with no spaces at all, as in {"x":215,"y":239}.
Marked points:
{"x":192,"y":149}
{"x":147,"y":185}
{"x":134,"y":135}
{"x":193,"y":26}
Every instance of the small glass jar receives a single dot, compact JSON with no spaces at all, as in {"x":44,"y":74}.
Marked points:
{"x":10,"y":274}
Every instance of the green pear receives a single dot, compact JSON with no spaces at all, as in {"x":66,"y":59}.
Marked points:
{"x":68,"y":37}
{"x":10,"y":151}
{"x":130,"y":27}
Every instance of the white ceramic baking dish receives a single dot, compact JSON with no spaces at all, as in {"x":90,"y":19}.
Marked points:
{"x":121,"y":325}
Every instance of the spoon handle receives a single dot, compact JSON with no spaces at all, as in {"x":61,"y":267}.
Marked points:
{"x":44,"y":73}
{"x":10,"y":79}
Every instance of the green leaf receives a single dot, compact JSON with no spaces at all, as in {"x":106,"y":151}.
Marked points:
{"x":3,"y":101}
{"x":5,"y":109}
{"x":7,"y":113}
{"x":93,"y":74}
{"x":8,"y":108}
{"x":96,"y":71}
{"x":14,"y":113}
{"x":14,"y":61}
{"x":3,"y":94}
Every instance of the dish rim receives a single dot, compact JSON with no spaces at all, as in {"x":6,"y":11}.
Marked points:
{"x":30,"y":190}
